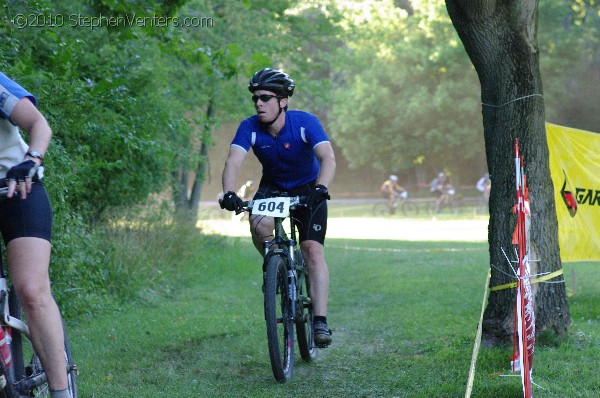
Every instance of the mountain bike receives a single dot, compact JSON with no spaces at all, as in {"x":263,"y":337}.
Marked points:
{"x":286,"y":287}
{"x":408,"y":208}
{"x":21,"y":372}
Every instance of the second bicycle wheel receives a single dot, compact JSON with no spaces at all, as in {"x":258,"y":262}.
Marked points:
{"x":29,"y":376}
{"x":279,"y":320}
{"x":304,"y":316}
{"x":410,"y":209}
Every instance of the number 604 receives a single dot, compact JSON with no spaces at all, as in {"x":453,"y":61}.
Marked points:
{"x":271,"y":206}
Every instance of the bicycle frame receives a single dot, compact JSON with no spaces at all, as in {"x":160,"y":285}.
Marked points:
{"x":9,"y":323}
{"x":31,"y":376}
{"x":5,"y":318}
{"x":287,"y":245}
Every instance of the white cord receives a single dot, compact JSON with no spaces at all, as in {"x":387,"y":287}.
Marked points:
{"x":511,"y":101}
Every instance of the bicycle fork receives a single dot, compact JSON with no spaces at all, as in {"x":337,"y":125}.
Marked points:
{"x":7,"y":323}
{"x":5,"y":314}
{"x":292,"y":291}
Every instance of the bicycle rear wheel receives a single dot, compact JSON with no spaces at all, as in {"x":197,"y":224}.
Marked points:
{"x":278,"y":317}
{"x":304,"y":317}
{"x":29,"y":376}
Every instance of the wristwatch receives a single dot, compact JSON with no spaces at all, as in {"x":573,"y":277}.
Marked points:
{"x":34,"y":154}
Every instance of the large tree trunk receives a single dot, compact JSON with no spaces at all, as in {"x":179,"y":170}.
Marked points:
{"x":501,"y":40}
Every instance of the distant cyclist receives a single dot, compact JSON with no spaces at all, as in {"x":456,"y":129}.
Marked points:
{"x":247,"y":190}
{"x":297,"y":158}
{"x":443,"y":190}
{"x":391,"y":190}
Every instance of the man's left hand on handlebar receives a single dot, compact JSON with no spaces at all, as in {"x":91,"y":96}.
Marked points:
{"x":318,"y":194}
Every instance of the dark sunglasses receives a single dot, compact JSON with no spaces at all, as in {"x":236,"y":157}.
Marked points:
{"x":263,"y":97}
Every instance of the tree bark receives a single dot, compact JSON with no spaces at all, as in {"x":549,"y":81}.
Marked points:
{"x":501,"y":41}
{"x":187,"y":199}
{"x":201,"y":169}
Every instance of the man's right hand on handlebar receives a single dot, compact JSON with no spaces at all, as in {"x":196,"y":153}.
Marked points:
{"x":232,"y":202}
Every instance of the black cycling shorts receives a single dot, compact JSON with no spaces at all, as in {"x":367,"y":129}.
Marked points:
{"x":311,"y":223}
{"x":30,"y":217}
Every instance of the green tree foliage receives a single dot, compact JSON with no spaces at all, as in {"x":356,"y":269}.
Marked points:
{"x":104,"y":96}
{"x":570,"y":50}
{"x":408,"y":97}
{"x":101,"y":90}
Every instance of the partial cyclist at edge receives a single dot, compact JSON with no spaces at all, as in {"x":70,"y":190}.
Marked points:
{"x":26,"y":226}
{"x":484,"y":185}
{"x":390,"y":190}
{"x":297,"y":158}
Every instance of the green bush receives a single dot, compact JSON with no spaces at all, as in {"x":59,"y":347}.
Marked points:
{"x":132,"y":256}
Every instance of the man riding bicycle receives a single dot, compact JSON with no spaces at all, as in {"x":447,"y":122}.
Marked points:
{"x":297,"y":158}
{"x":391,"y":190}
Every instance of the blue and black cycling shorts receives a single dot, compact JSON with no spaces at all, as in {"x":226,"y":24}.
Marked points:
{"x":311,"y":223}
{"x":30,"y":217}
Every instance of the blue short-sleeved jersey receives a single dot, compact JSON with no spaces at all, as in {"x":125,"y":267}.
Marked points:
{"x":288,"y":160}
{"x":10,"y":94}
{"x":12,"y":145}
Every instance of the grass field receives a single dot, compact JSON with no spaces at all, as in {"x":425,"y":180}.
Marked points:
{"x":404,"y":317}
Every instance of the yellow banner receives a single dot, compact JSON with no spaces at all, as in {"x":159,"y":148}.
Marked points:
{"x":575,"y":171}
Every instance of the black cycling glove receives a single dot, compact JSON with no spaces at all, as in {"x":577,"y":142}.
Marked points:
{"x":232,"y":202}
{"x":20,"y":172}
{"x":318,"y":194}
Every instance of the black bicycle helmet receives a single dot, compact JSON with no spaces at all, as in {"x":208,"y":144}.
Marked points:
{"x":272,"y":80}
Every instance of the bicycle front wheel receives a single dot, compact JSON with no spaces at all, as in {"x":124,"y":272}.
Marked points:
{"x":410,"y":209}
{"x":380,"y":210}
{"x":279,"y":318}
{"x":29,"y":377}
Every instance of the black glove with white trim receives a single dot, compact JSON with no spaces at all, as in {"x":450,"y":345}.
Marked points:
{"x":318,"y":194}
{"x":23,"y":170}
{"x":232,"y":202}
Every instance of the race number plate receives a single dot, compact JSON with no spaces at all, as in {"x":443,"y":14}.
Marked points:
{"x":272,"y":207}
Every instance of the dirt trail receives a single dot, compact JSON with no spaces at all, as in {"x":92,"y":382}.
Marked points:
{"x":376,"y":228}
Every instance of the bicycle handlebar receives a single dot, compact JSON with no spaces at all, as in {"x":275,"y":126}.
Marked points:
{"x":295,"y":201}
{"x":4,"y":193}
